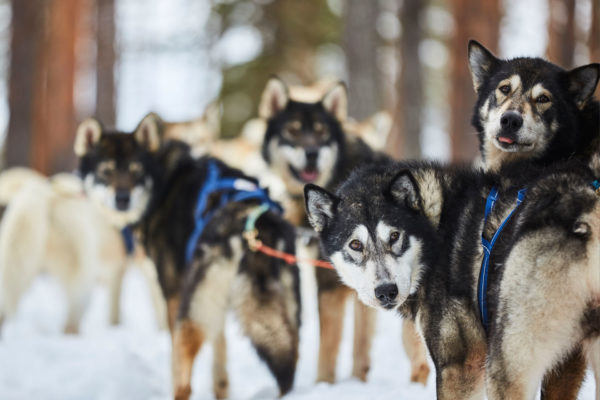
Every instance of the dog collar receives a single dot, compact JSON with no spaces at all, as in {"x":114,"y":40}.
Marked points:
{"x":128,"y":240}
{"x":487,"y":250}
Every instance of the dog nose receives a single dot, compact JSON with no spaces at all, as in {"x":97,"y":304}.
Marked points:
{"x":312,"y":154}
{"x":122,"y":199}
{"x":386,"y":293}
{"x":511,"y":121}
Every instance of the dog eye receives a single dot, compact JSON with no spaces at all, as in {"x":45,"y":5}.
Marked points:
{"x":505,"y":89}
{"x":542,"y":99}
{"x":394,"y":236}
{"x":356,"y":245}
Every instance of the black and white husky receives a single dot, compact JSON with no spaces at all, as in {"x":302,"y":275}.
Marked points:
{"x":305,"y":142}
{"x":409,"y":237}
{"x":529,"y":108}
{"x":190,"y":215}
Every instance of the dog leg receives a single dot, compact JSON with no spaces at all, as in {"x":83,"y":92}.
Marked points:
{"x":172,"y":311}
{"x":115,"y":286}
{"x":187,"y":340}
{"x":365,"y":319}
{"x":331,"y":319}
{"x":564,"y":381}
{"x":220,"y":379}
{"x":416,"y":351}
{"x":158,"y":300}
{"x":78,"y":299}
{"x":267,"y":316}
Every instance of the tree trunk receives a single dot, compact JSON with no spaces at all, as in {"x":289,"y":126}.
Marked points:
{"x":561,"y":32}
{"x":25,"y":48}
{"x":473,"y":19}
{"x":409,"y":102}
{"x":53,"y":115}
{"x":105,"y":61}
{"x":360,"y":46}
{"x":594,"y":39}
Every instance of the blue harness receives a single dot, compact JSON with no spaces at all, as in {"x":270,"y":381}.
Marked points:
{"x":596,"y":185}
{"x":487,"y":250}
{"x":127,"y":235}
{"x":232,"y":189}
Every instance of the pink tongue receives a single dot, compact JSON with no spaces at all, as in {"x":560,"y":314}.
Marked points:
{"x":309,"y":176}
{"x":506,"y":140}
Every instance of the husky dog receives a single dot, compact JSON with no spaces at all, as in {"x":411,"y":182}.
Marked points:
{"x":408,"y":237}
{"x":305,"y":143}
{"x":530,"y":108}
{"x":203,"y":270}
{"x":49,"y":226}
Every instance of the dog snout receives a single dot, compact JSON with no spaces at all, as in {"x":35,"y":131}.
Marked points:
{"x":386,"y":293}
{"x":122,"y":199}
{"x":311,"y":156}
{"x":511,"y":121}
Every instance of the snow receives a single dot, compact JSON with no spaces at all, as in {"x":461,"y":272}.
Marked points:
{"x":132,"y":361}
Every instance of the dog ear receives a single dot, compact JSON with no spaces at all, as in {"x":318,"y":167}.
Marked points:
{"x":274,"y":98}
{"x":481,"y":61}
{"x":320,"y":206}
{"x":88,"y":134}
{"x":336,"y":102}
{"x":148,"y":132}
{"x":582,"y":82}
{"x":404,"y":190}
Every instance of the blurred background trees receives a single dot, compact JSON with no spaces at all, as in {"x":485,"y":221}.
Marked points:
{"x":118,"y":59}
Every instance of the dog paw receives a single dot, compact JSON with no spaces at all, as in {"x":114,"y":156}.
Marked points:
{"x":183,"y":393}
{"x":221,"y":389}
{"x":326,"y":377}
{"x":361,"y":372}
{"x":420,"y":373}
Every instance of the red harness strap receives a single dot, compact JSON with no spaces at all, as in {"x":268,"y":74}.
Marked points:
{"x":256,"y":245}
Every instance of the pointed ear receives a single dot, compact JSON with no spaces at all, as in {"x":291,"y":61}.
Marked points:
{"x":481,"y":61}
{"x":88,"y":134}
{"x":582,"y":82}
{"x":404,"y":190}
{"x":320,"y":206}
{"x":382,"y":121}
{"x":212,"y":118}
{"x":274,"y":98}
{"x":147,"y":133}
{"x":336,"y":102}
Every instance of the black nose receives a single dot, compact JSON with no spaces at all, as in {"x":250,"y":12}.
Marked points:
{"x":386,"y":293}
{"x":122,"y":199}
{"x":311,"y":157}
{"x":511,"y":121}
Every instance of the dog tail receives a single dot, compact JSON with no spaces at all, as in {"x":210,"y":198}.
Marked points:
{"x":267,"y":301}
{"x":23,"y":235}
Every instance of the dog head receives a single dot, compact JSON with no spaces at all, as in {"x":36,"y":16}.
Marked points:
{"x":527,"y":107}
{"x":304,"y":141}
{"x":116,"y":167}
{"x":373,"y":231}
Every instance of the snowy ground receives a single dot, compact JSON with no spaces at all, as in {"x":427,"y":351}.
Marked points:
{"x":132,"y":361}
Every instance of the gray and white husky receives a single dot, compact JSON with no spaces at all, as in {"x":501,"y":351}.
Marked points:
{"x":408,"y":236}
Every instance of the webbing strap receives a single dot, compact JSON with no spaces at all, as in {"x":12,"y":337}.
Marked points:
{"x":233,"y":190}
{"x":487,"y":250}
{"x":127,"y":235}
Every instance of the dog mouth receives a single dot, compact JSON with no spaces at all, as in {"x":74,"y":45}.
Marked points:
{"x":389,"y":306}
{"x":511,"y":145}
{"x":306,"y":175}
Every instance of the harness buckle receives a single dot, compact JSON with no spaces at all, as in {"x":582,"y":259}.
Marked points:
{"x":251,"y":237}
